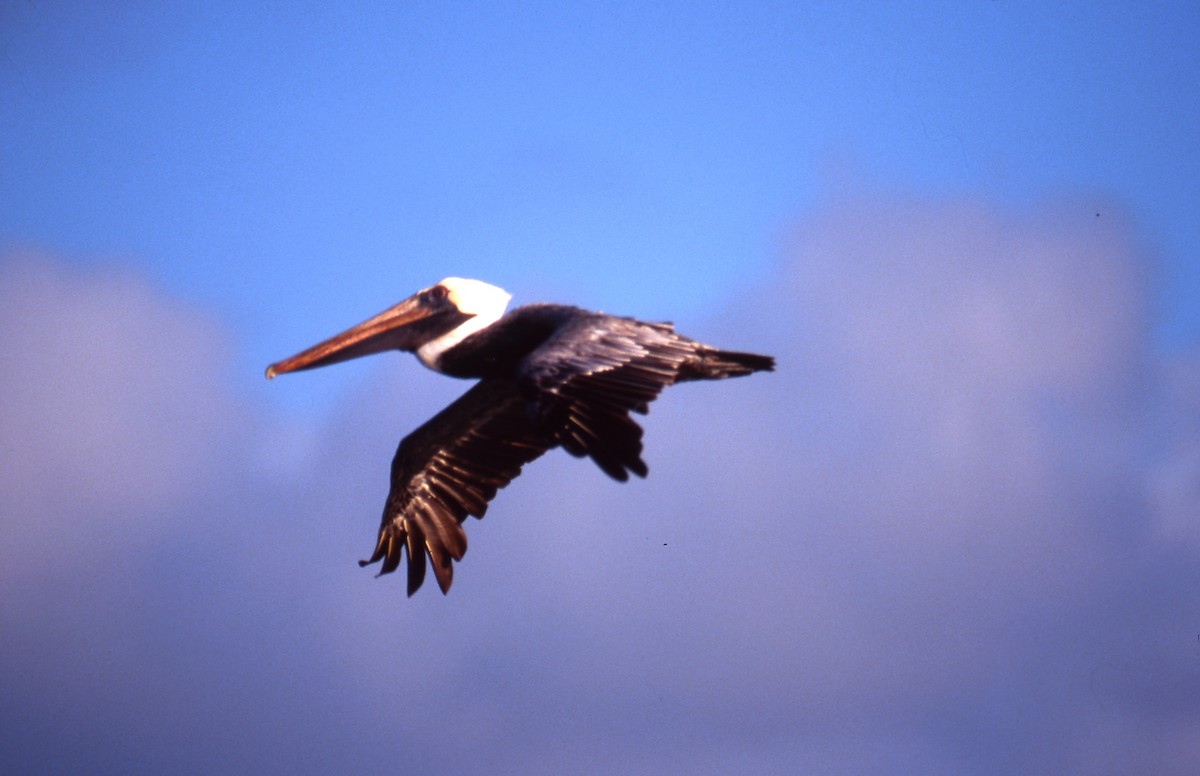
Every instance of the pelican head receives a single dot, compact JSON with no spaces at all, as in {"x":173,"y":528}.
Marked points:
{"x":427,"y":323}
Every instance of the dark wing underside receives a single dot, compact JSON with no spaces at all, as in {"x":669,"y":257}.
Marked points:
{"x":449,"y":468}
{"x":576,"y":389}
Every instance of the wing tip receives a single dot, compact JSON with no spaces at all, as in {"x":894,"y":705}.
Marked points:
{"x":732,"y":363}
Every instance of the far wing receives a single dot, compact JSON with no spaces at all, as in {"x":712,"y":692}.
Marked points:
{"x":593,"y":373}
{"x":449,"y":468}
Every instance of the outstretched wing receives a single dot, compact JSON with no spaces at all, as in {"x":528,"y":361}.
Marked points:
{"x":449,"y":468}
{"x":596,"y":370}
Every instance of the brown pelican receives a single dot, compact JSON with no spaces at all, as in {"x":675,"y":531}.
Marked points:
{"x":549,"y":375}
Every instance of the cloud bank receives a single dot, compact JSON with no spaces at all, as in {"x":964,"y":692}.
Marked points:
{"x":954,"y":533}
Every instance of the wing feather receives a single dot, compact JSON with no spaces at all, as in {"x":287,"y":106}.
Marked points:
{"x":596,"y":370}
{"x":449,"y":468}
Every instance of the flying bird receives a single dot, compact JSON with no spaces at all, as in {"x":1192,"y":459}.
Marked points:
{"x":549,"y":376}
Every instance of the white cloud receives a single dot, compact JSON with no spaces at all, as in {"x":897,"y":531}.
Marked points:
{"x":107,"y":381}
{"x":1174,"y":482}
{"x":114,"y":405}
{"x":943,"y":536}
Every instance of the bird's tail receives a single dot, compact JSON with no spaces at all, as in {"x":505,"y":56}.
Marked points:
{"x":712,"y":364}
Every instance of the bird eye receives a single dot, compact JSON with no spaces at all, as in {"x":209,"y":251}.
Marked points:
{"x":433,"y":294}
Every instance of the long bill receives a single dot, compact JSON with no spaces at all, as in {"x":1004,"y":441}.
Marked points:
{"x":386,"y":331}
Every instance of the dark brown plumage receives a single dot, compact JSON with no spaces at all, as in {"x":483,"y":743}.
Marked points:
{"x":549,"y":376}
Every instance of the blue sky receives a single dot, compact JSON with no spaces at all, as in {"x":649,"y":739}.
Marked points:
{"x":376,"y":146}
{"x":954,"y":533}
